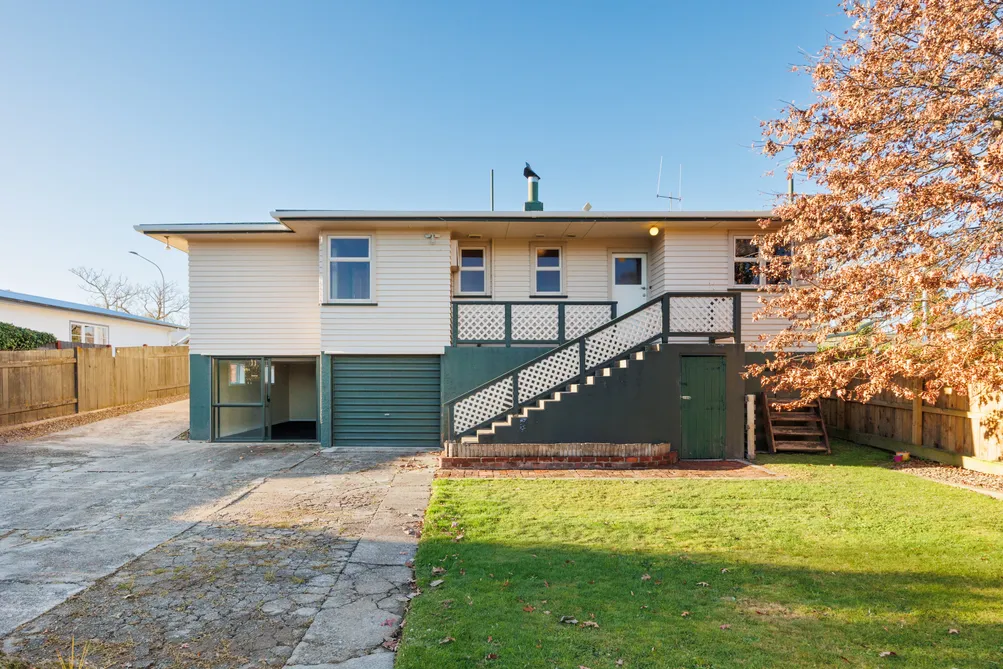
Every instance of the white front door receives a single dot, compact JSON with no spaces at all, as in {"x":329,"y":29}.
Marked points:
{"x":630,"y":281}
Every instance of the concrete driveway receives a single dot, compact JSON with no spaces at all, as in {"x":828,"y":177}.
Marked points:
{"x":184,"y":553}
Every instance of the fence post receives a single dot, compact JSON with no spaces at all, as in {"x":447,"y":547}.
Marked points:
{"x":560,"y":323}
{"x":665,"y":318}
{"x":508,"y":324}
{"x":736,"y":317}
{"x":917,"y":416}
{"x":581,"y":361}
{"x":456,"y":321}
{"x":76,"y":378}
{"x":515,"y":391}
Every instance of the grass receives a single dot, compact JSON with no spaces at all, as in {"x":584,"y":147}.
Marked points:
{"x":843,"y":563}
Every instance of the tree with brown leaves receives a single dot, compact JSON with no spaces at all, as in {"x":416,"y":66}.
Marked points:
{"x":899,"y":256}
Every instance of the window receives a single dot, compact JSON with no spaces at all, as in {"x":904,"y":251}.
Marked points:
{"x":547,"y":270}
{"x":749,"y":267}
{"x":85,"y":333}
{"x":238,"y":374}
{"x":351,"y":268}
{"x":473,"y":279}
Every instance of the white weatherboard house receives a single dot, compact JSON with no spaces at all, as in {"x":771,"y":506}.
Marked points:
{"x":83,"y":323}
{"x":383,"y":328}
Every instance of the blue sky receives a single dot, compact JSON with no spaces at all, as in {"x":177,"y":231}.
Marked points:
{"x":119,"y":113}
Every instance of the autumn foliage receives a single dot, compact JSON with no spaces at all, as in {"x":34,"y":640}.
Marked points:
{"x":899,"y":256}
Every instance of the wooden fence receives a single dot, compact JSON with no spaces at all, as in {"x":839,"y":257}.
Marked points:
{"x":952,"y":425}
{"x":35,"y":385}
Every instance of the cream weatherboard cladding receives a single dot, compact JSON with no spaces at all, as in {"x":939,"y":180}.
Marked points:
{"x":587,"y":264}
{"x":700,"y":260}
{"x":411,"y":292}
{"x":253,"y":298}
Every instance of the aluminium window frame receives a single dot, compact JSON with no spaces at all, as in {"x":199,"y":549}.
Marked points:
{"x":97,"y":327}
{"x":562,"y":269}
{"x":486,"y":269}
{"x":760,"y":262}
{"x":329,"y":297}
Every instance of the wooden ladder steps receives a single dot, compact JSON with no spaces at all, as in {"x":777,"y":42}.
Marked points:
{"x":794,"y":430}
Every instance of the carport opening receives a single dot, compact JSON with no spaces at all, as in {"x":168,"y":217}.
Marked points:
{"x":293,"y":400}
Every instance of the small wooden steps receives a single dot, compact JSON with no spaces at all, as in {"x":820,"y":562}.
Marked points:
{"x":794,"y":430}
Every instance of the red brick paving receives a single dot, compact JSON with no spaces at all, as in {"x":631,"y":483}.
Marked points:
{"x":692,"y":469}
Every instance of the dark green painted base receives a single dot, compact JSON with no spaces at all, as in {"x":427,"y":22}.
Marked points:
{"x":533,"y":206}
{"x":466,"y":367}
{"x":200,"y":397}
{"x":639,"y":404}
{"x":326,"y":426}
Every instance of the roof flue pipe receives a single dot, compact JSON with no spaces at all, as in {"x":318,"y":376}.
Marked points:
{"x":533,"y":183}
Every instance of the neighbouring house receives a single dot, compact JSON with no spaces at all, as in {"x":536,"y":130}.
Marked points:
{"x":73,"y":322}
{"x":408,"y":328}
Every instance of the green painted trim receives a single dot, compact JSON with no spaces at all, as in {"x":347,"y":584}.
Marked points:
{"x":349,"y":304}
{"x":200,"y":397}
{"x":326,"y":428}
{"x":925,"y":452}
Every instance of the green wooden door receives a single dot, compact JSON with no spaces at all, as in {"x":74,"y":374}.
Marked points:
{"x":386,"y":400}
{"x":702,"y":405}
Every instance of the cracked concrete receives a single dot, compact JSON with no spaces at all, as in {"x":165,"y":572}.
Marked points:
{"x":169,"y":553}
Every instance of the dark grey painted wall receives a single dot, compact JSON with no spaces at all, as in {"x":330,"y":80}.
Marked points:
{"x":466,"y":367}
{"x":639,"y":404}
{"x":200,"y":397}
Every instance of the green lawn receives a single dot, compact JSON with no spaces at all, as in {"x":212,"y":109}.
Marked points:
{"x":839,"y":562}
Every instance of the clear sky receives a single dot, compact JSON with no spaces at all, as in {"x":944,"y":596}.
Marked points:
{"x":119,"y":113}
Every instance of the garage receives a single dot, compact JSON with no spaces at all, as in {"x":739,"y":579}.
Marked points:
{"x":386,"y":400}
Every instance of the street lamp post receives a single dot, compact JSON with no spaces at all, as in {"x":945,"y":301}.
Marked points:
{"x":163,"y":281}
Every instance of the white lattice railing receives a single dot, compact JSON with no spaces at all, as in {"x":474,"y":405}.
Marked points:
{"x":714,"y":315}
{"x":526,"y":322}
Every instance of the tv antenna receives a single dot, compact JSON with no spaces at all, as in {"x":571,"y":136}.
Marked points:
{"x":658,"y":187}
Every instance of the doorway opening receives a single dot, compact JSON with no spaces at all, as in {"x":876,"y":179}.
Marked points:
{"x":264,"y":399}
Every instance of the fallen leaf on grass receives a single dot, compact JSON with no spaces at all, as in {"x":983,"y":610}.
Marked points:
{"x":887,"y":653}
{"x":704,"y":584}
{"x":953,"y":631}
{"x":646,"y":577}
{"x":619,"y":662}
{"x":726,"y":627}
{"x":590,"y":623}
{"x":436,"y":583}
{"x":724,"y":571}
{"x":458,"y":537}
{"x":684,"y":614}
{"x":570,"y":620}
{"x":446,"y":640}
{"x":390,"y":644}
{"x":529,"y":608}
{"x":491,"y":656}
{"x":438,"y":570}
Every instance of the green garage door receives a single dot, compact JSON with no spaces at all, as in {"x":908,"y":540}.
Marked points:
{"x":386,"y":400}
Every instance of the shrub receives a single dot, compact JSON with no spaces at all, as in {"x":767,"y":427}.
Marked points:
{"x":13,"y":338}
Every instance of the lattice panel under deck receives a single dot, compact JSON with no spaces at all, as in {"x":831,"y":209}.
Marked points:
{"x":582,"y":318}
{"x":556,"y":369}
{"x":626,"y":334}
{"x":701,"y":314}
{"x":482,"y":405}
{"x":534,"y":322}
{"x":480,"y":322}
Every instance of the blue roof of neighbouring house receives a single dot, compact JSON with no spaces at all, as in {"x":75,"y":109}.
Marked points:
{"x":11,"y":296}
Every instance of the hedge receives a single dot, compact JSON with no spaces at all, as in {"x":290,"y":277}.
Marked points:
{"x":13,"y":338}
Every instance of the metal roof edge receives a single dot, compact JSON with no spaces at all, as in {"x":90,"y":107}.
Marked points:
{"x":39,"y":301}
{"x":338,"y":214}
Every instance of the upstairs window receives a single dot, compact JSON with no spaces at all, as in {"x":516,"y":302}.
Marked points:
{"x":749,"y":268}
{"x":350,"y":274}
{"x":473,"y":271}
{"x":85,"y":333}
{"x":548,"y":270}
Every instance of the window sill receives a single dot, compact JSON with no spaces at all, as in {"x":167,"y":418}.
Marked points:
{"x":546,"y":296}
{"x":349,"y":304}
{"x":471,"y":296}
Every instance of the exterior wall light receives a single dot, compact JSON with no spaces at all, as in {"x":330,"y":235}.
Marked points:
{"x":653,"y":231}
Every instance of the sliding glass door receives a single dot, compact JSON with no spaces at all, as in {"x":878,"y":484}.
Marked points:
{"x":239,"y":399}
{"x":264,"y":399}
